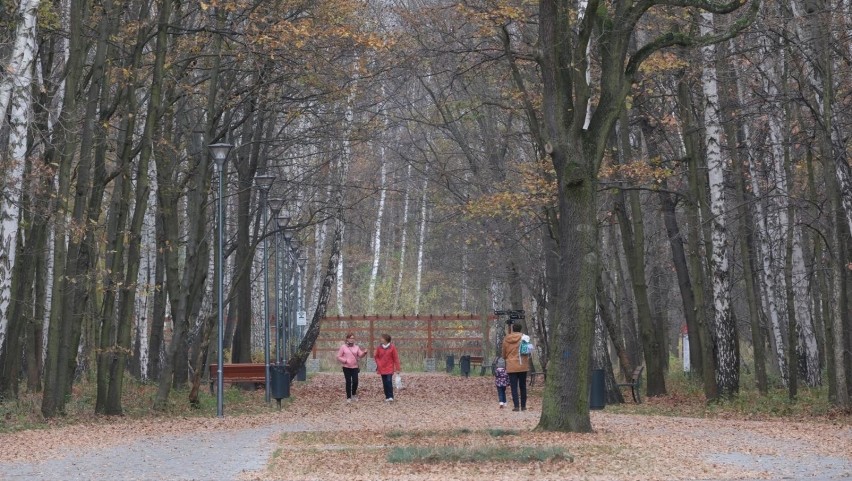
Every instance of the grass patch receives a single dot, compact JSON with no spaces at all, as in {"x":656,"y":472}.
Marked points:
{"x":415,"y":454}
{"x":685,"y":397}
{"x":496,"y":433}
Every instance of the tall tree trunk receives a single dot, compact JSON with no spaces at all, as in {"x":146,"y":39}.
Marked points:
{"x":421,"y":245}
{"x":377,"y":233}
{"x":158,"y":310}
{"x":740,"y":147}
{"x":403,"y":241}
{"x":16,"y":88}
{"x":702,"y":342}
{"x":55,"y":377}
{"x":727,"y":347}
{"x":633,"y":238}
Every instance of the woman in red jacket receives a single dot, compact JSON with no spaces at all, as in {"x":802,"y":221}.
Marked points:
{"x":387,"y":363}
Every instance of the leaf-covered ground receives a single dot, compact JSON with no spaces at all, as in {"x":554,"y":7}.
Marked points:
{"x":317,"y":436}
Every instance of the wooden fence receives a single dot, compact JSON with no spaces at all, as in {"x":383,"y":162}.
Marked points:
{"x":421,"y":336}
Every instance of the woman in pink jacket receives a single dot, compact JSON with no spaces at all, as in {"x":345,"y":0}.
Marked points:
{"x":387,"y":363}
{"x":348,"y":355}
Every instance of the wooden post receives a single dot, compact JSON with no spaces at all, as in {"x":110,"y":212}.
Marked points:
{"x":429,"y":337}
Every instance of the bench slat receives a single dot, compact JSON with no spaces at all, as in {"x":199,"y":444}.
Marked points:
{"x":238,"y":372}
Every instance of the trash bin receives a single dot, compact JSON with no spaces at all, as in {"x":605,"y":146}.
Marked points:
{"x":302,"y":375}
{"x":597,"y":393}
{"x":279,"y":386}
{"x":464,"y":366}
{"x":451,"y":363}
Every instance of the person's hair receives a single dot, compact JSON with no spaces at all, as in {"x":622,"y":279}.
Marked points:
{"x":349,"y":334}
{"x":386,"y":337}
{"x":517,"y":327}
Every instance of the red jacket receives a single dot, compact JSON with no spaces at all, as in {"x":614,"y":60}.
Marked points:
{"x":387,"y":360}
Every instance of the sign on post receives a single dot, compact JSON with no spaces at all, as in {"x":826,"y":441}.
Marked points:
{"x":301,"y":318}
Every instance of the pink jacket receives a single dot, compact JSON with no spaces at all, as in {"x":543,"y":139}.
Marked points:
{"x":348,"y":356}
{"x":387,"y":360}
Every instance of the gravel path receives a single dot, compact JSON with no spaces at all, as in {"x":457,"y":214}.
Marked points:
{"x":623,"y":447}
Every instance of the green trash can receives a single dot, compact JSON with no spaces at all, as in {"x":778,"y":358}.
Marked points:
{"x":597,"y":392}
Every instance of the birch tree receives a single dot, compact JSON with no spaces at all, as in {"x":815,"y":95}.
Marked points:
{"x":727,"y":348}
{"x":15,"y":90}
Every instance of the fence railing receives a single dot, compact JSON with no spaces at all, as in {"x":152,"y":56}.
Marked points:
{"x":427,"y":334}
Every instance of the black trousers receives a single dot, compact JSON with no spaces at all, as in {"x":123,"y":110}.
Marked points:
{"x":350,"y":374}
{"x":518,"y":381}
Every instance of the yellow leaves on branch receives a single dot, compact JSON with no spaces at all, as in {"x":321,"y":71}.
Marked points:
{"x":323,"y":25}
{"x":639,"y":172}
{"x":525,"y":194}
{"x":662,"y":61}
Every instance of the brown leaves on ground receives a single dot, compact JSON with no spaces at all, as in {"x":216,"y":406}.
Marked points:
{"x":323,"y":437}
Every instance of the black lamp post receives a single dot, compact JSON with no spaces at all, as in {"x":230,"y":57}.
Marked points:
{"x":220,"y":155}
{"x":275,"y":205}
{"x":263,"y":183}
{"x":283,"y":220}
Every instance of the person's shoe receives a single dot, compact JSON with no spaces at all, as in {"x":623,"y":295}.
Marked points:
{"x":515,"y":409}
{"x":354,"y":397}
{"x":523,"y":409}
{"x":502,"y":405}
{"x":390,"y":399}
{"x":348,"y":400}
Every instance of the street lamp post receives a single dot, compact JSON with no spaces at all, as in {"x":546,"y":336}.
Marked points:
{"x":263,"y":184}
{"x":288,"y":272}
{"x":275,"y":205}
{"x":220,"y":155}
{"x":283,"y":219}
{"x":303,"y":261}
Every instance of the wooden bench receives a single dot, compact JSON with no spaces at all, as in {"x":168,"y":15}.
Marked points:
{"x":241,"y":372}
{"x":635,"y":384}
{"x":477,"y":361}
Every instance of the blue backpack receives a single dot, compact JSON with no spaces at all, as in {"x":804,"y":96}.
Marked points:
{"x":526,"y":348}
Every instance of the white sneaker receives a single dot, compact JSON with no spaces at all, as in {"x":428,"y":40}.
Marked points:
{"x":390,"y":399}
{"x":502,"y":405}
{"x":354,"y":397}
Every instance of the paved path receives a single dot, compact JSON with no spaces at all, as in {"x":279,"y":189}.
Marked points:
{"x":205,"y":456}
{"x":238,"y":448}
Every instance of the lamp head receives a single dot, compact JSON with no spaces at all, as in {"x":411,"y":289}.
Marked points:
{"x":263,"y":182}
{"x":275,"y":204}
{"x":220,"y":153}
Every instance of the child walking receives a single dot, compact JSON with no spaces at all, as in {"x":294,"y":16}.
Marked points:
{"x":501,"y":380}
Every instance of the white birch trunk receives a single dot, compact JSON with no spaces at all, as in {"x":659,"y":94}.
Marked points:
{"x":403,"y":241}
{"x":339,"y":280}
{"x":727,"y":371}
{"x":777,"y":220}
{"x":806,"y":336}
{"x":15,"y":93}
{"x":377,"y":233}
{"x":769,"y":277}
{"x":808,"y":349}
{"x":421,"y":244}
{"x":320,"y":235}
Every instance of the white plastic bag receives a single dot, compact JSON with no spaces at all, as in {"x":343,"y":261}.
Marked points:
{"x":397,"y":381}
